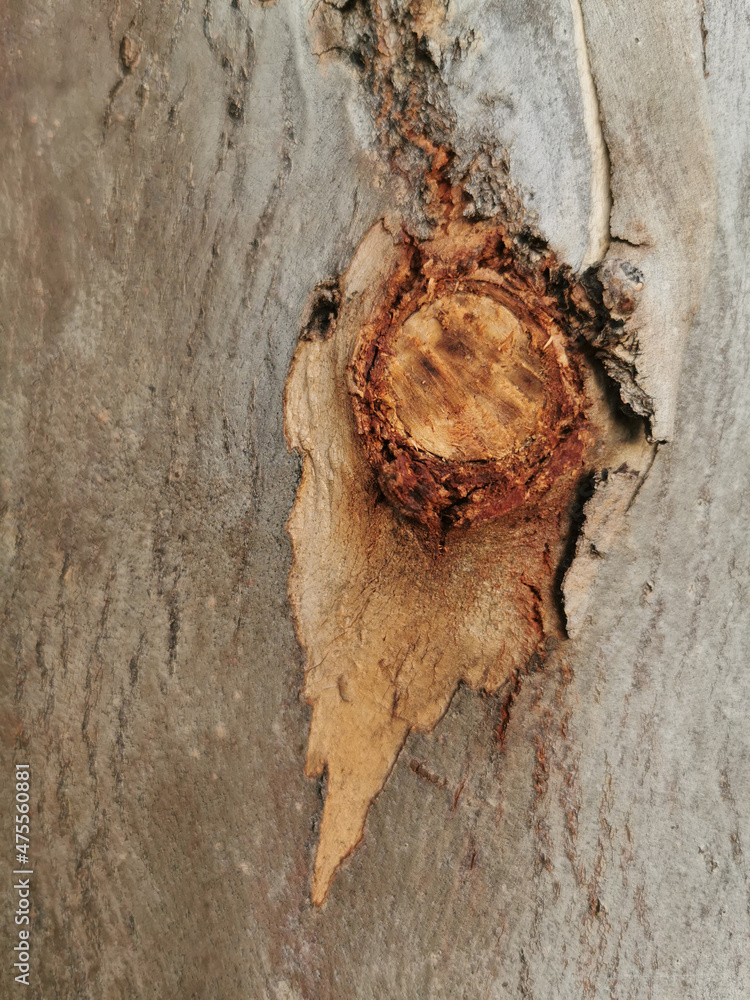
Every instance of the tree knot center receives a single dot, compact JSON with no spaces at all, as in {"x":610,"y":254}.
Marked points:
{"x":467,"y":390}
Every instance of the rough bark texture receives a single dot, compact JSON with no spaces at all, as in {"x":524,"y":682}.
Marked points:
{"x":176,"y":179}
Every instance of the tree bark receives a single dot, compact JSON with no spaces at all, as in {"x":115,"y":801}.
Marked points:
{"x":178,"y":180}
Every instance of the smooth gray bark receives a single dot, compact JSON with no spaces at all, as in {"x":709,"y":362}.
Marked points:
{"x":165,"y":218}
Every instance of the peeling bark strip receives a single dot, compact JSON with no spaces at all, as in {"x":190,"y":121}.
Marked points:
{"x":446,"y":403}
{"x":601,"y":195}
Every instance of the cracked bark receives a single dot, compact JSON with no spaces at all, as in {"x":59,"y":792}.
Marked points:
{"x":170,"y":202}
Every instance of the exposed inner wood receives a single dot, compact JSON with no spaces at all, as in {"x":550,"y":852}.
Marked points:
{"x":465,"y":383}
{"x":450,"y":386}
{"x":466,"y":391}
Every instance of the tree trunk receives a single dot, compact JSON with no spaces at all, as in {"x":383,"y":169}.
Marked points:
{"x":186,"y":190}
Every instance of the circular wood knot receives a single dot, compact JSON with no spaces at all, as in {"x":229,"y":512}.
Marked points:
{"x":468,"y":397}
{"x":461,"y":381}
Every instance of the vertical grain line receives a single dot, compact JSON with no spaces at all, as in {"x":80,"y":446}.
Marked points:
{"x":601,"y":194}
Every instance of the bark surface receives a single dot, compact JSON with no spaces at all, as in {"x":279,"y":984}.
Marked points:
{"x":177,"y":179}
